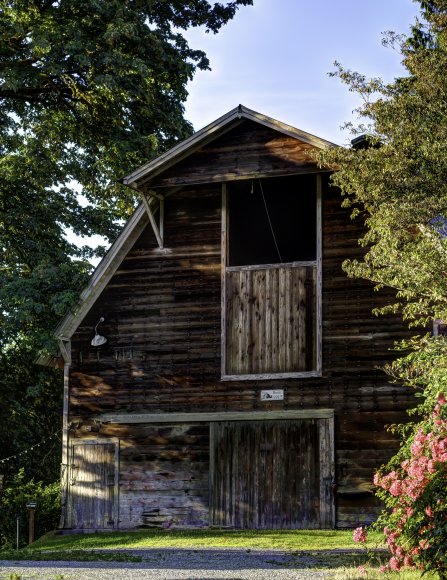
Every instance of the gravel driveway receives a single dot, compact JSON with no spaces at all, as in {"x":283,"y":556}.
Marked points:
{"x":163,"y":564}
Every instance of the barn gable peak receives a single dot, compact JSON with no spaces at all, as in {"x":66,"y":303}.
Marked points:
{"x":147,"y":172}
{"x":141,"y":180}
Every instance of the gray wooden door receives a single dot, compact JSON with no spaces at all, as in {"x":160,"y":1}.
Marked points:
{"x":93,"y":486}
{"x":270,"y":319}
{"x":272,"y":474}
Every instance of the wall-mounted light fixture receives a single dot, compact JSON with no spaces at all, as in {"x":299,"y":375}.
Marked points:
{"x":98,"y":340}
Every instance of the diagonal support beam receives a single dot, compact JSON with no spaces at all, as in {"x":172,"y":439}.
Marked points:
{"x":158,"y":228}
{"x":65,"y":348}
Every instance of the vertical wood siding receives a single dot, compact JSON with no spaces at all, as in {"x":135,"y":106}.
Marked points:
{"x":266,"y":474}
{"x":271,"y":319}
{"x":163,"y":475}
{"x":92,"y":486}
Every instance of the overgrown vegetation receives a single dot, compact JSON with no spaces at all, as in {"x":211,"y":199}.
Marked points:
{"x":13,"y":501}
{"x":398,"y":185}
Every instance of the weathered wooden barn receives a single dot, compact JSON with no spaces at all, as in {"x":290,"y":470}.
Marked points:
{"x":220,"y":368}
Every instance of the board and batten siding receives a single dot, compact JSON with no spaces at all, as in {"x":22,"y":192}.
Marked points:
{"x":93,"y":485}
{"x":162,"y":311}
{"x":270,"y":319}
{"x":272,"y":474}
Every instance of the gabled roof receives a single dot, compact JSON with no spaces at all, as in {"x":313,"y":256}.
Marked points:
{"x":136,"y":224}
{"x":100,"y":277}
{"x":212,"y":132}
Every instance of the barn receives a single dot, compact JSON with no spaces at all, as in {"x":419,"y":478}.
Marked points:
{"x":220,"y":369}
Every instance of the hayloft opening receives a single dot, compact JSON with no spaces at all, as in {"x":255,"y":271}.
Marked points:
{"x":271,"y":247}
{"x":272,"y":221}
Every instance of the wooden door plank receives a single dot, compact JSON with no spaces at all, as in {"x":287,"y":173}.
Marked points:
{"x":271,"y":474}
{"x":93,"y":497}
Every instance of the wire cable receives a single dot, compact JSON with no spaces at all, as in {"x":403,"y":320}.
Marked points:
{"x":270,"y":221}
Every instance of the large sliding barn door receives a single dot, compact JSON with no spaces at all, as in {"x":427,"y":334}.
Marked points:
{"x":272,"y":474}
{"x":93,"y":486}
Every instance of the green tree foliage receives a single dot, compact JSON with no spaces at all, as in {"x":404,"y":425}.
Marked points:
{"x":13,"y":502}
{"x":89,"y":89}
{"x":398,"y":185}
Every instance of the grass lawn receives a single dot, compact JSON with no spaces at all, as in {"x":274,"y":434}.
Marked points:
{"x":289,"y":540}
{"x":332,"y":550}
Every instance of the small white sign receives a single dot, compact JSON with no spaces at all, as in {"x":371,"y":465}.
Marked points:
{"x":273,"y":395}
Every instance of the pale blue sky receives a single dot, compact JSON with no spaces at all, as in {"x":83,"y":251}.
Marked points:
{"x":274,"y":57}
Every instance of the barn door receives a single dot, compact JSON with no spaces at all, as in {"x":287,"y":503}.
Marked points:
{"x":272,"y":474}
{"x":93,"y":485}
{"x":271,"y":286}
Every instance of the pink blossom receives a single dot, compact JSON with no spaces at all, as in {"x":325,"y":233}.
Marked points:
{"x":396,"y":488}
{"x":362,"y":570}
{"x":360,"y":535}
{"x":395,"y":564}
{"x":408,"y":561}
{"x":424,"y":544}
{"x":427,"y":459}
{"x":431,"y":466}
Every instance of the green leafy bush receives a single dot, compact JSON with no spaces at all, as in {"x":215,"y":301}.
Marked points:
{"x":13,"y":498}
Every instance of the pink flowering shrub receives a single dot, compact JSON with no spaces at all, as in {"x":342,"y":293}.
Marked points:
{"x":360,"y":535}
{"x":414,"y":489}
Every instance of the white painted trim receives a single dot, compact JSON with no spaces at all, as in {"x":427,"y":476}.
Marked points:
{"x":271,"y":376}
{"x":157,"y":228}
{"x":134,"y":418}
{"x":223,"y":278}
{"x":65,"y":441}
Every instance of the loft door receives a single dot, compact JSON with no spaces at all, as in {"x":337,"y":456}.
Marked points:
{"x":271,"y":319}
{"x":271,"y":249}
{"x":272,"y":474}
{"x":93,"y":486}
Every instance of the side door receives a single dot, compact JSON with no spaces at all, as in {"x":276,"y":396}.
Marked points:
{"x":93,"y":485}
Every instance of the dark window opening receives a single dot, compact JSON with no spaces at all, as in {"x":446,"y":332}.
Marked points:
{"x":272,"y":220}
